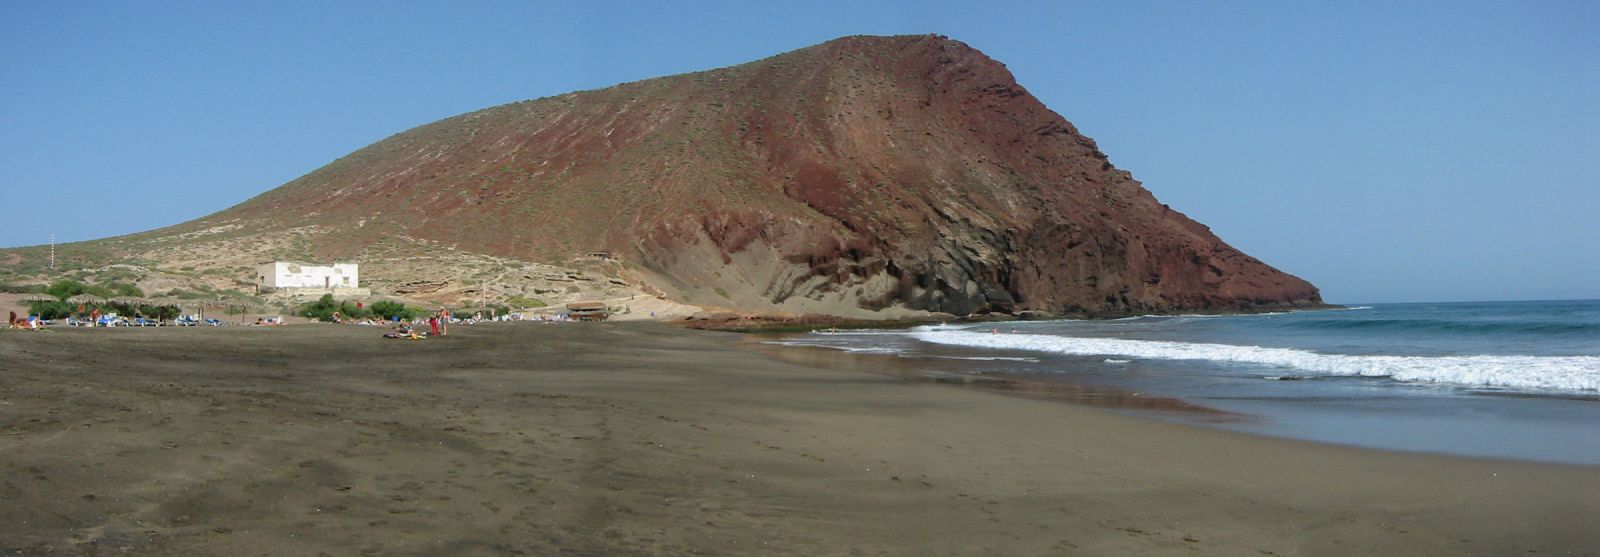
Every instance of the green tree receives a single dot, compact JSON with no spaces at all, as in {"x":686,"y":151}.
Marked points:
{"x":61,"y":289}
{"x":49,"y":310}
{"x":160,"y":313}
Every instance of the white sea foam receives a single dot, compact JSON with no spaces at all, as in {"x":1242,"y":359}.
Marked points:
{"x":1562,"y":373}
{"x":939,"y":327}
{"x":869,"y":349}
{"x":855,"y":349}
{"x":990,"y":358}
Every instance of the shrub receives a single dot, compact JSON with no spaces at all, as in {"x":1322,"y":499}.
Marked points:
{"x":390,"y":309}
{"x":67,"y":288}
{"x":519,"y":301}
{"x":21,"y":288}
{"x":324,"y":308}
{"x":124,"y":289}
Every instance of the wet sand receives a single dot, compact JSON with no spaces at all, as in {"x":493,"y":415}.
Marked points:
{"x":645,"y":439}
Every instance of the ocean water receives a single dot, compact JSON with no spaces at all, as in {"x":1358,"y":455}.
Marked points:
{"x":1506,"y":379}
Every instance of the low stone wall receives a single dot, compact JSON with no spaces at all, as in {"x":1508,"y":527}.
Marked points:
{"x":314,"y":293}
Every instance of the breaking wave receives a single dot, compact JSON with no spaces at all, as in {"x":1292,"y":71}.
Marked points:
{"x":1561,"y":373}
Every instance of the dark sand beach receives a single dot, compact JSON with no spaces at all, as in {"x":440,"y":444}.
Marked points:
{"x":646,"y":439}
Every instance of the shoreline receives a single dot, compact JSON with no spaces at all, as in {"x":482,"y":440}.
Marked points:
{"x":643,"y":439}
{"x":780,"y":323}
{"x":1464,"y":424}
{"x":1010,"y":384}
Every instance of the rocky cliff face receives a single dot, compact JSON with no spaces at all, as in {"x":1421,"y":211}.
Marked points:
{"x":862,"y":174}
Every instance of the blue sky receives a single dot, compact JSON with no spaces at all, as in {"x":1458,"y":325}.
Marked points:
{"x":1386,"y":151}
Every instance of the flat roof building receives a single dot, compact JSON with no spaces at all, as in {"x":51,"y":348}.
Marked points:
{"x":294,"y":274}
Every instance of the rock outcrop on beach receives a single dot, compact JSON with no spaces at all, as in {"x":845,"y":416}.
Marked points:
{"x":856,"y":176}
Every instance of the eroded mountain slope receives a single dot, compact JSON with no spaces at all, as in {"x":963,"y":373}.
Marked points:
{"x":862,"y":174}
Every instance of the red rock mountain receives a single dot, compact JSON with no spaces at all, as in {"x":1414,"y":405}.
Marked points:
{"x":861,"y":174}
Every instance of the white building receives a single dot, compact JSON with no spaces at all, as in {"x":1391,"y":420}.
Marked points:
{"x":291,"y":274}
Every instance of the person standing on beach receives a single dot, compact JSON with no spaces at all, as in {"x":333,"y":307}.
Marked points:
{"x":444,"y":321}
{"x":433,"y":324}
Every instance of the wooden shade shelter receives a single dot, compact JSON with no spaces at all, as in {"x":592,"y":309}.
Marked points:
{"x":86,"y":299}
{"x":32,"y":298}
{"x":174,"y":302}
{"x":167,"y":302}
{"x":229,"y":306}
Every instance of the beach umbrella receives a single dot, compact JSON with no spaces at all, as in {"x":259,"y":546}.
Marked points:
{"x":228,"y":302}
{"x":230,"y":305}
{"x":166,"y":302}
{"x":133,"y":303}
{"x":198,"y":306}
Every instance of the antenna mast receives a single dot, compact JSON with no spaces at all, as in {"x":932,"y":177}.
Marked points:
{"x":52,"y":251}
